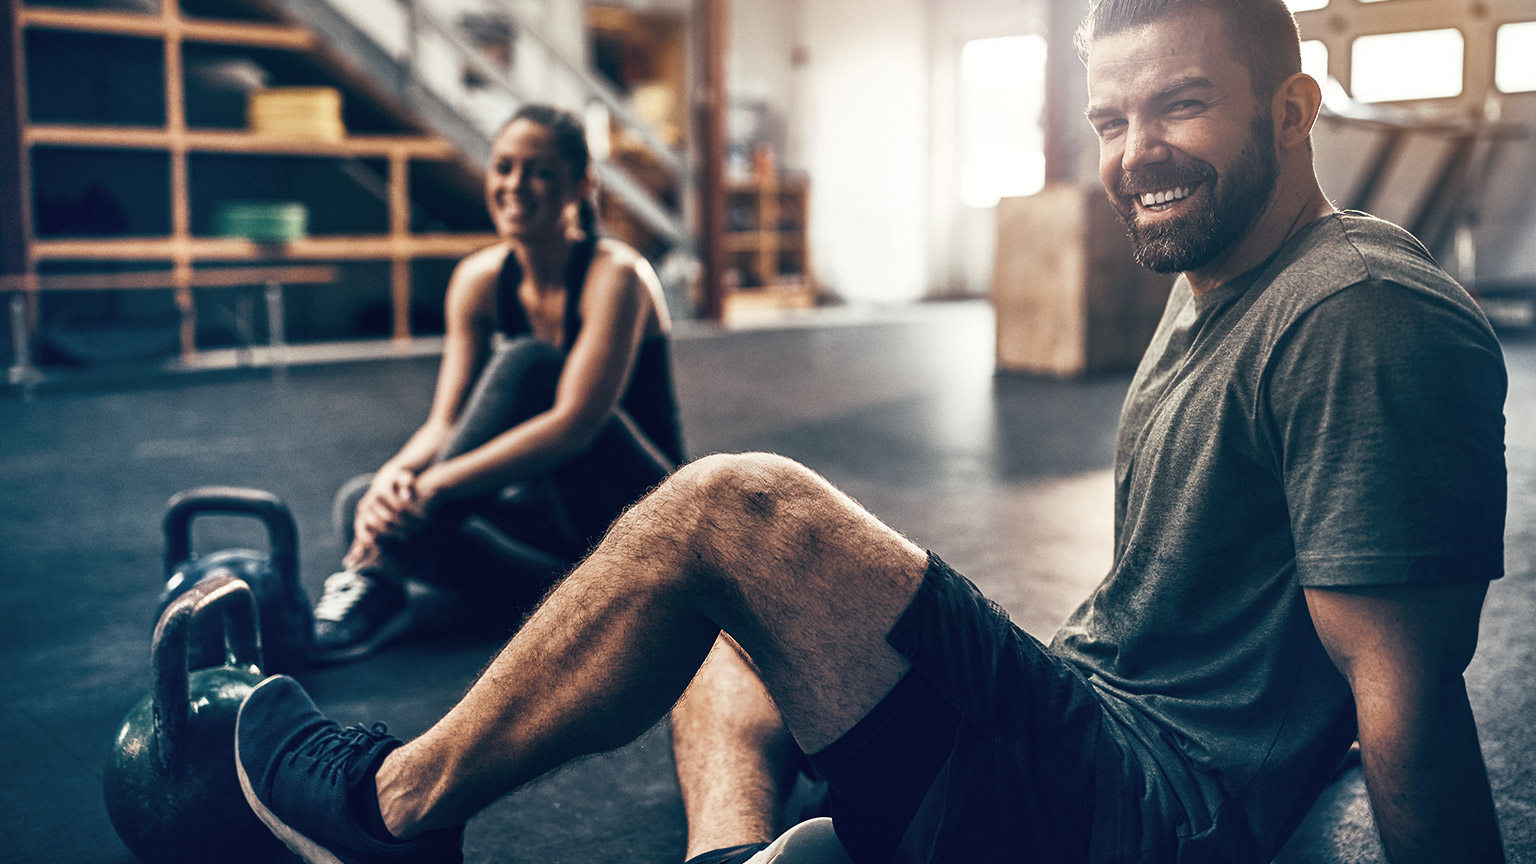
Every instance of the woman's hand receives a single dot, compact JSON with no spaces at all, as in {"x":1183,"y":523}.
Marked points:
{"x":387,"y":509}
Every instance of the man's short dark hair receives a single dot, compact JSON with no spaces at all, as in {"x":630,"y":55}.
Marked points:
{"x":1262,"y":33}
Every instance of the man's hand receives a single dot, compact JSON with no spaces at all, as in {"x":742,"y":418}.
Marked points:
{"x":1403,"y":649}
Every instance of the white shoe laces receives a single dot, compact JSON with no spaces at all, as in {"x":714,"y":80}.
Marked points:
{"x":342,"y":591}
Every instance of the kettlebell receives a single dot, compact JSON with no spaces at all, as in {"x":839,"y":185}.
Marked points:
{"x":170,"y":785}
{"x":286,"y":620}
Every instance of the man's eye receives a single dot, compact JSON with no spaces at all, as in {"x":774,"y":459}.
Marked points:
{"x":1110,"y":128}
{"x":1184,"y":106}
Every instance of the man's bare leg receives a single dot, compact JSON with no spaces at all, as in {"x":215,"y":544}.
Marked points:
{"x":806,"y":581}
{"x":734,"y":757}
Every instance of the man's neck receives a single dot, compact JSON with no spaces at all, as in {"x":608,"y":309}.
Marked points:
{"x":1292,"y":205}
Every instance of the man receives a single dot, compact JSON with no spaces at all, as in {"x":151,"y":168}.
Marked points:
{"x":1309,"y":507}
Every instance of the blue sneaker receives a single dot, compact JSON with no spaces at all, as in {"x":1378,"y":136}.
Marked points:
{"x":311,"y":782}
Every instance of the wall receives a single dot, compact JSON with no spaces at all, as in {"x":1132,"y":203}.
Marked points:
{"x":760,"y":71}
{"x":866,"y":94}
{"x":863,"y":112}
{"x":847,"y":81}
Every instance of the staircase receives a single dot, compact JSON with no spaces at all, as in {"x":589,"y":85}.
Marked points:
{"x":388,"y":50}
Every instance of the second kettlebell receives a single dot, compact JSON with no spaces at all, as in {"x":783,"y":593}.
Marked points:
{"x":286,"y":620}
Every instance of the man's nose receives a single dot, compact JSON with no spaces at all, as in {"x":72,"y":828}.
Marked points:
{"x":1144,"y":145}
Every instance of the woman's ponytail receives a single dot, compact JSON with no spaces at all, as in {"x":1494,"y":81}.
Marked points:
{"x":586,"y":217}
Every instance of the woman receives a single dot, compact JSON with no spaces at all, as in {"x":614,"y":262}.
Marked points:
{"x":554,"y":406}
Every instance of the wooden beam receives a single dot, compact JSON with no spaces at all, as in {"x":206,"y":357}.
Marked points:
{"x":150,"y":280}
{"x":150,"y":26}
{"x":370,"y":247}
{"x":221,"y":141}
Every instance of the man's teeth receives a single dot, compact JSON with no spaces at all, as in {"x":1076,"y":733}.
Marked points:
{"x":1152,"y":199}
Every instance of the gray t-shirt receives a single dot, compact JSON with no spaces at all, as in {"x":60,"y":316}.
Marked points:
{"x":1333,"y":417}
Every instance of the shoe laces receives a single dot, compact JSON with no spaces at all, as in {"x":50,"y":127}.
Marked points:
{"x":343,"y":591}
{"x":344,"y":751}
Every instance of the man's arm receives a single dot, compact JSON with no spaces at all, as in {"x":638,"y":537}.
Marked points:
{"x":1403,"y":649}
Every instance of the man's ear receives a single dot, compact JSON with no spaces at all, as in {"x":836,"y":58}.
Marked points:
{"x":1295,"y":108}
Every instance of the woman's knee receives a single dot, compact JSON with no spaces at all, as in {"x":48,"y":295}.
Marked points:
{"x":518,"y":381}
{"x":524,"y":359}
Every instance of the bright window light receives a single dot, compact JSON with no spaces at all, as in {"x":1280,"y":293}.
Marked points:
{"x":1314,"y":59}
{"x":1002,"y":93}
{"x":1305,"y":5}
{"x":1514,"y":63}
{"x":1424,"y":64}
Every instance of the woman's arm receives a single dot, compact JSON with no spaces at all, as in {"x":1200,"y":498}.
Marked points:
{"x":470,"y":320}
{"x":619,"y":305}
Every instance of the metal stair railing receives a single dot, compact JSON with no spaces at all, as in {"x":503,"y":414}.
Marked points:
{"x":387,"y":48}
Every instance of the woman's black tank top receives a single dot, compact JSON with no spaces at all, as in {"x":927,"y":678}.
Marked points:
{"x":649,"y":399}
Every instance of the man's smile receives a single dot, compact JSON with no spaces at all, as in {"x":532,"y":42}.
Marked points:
{"x":1164,"y":199}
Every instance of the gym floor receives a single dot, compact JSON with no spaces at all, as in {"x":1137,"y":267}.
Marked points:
{"x":1008,"y":477}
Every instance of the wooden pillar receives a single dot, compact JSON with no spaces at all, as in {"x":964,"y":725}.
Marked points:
{"x":181,"y":203}
{"x":17,"y":270}
{"x":713,"y":18}
{"x":399,"y":236}
{"x":15,"y":209}
{"x":1061,"y":66}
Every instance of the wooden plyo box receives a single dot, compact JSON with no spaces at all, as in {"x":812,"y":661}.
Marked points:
{"x":1068,"y":295}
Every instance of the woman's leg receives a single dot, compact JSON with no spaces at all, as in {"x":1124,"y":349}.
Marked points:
{"x":508,"y":543}
{"x":360,"y":612}
{"x":518,"y":382}
{"x":568,"y":510}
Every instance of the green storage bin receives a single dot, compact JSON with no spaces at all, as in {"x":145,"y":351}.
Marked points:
{"x":263,"y":221}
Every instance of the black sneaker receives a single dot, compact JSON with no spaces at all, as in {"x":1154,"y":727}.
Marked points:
{"x":312,"y":782}
{"x":729,"y":855}
{"x":357,"y":615}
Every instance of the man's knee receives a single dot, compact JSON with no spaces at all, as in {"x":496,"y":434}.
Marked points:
{"x":756,"y":518}
{"x":759,"y":493}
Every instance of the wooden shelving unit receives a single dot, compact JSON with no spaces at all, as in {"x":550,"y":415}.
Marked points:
{"x":767,"y":257}
{"x":180,"y":247}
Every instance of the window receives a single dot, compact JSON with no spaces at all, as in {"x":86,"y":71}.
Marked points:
{"x":1002,"y":93}
{"x":1514,"y":68}
{"x":1426,"y":64}
{"x":1314,"y":59}
{"x":1305,"y":5}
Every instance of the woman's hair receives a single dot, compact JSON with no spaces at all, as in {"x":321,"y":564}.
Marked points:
{"x":570,"y":139}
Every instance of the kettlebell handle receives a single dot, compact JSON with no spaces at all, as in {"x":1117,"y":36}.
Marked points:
{"x":172,"y":708}
{"x":282,"y":532}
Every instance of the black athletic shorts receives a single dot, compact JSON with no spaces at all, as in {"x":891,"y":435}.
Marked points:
{"x":986,"y":750}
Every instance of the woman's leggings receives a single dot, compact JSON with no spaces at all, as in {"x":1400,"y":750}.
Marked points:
{"x":526,"y":535}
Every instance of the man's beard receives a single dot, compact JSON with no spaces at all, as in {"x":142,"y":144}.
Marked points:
{"x":1221,"y":219}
